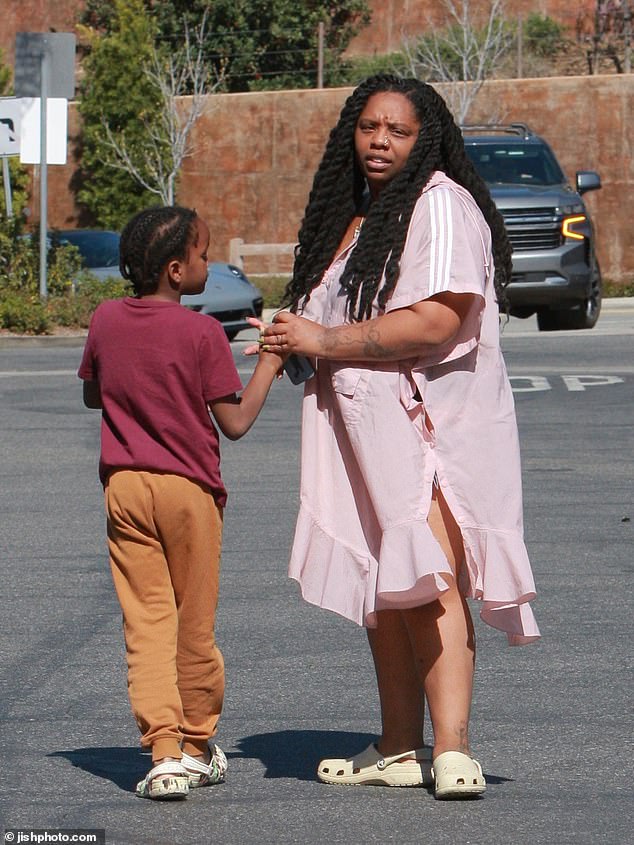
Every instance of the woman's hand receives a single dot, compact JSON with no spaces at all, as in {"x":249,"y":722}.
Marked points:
{"x":292,"y":334}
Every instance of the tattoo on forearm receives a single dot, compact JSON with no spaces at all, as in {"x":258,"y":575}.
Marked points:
{"x":372,"y":346}
{"x":367,"y":346}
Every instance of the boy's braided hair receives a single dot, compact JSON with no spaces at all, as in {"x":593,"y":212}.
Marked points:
{"x":151,"y":239}
{"x":337,"y":193}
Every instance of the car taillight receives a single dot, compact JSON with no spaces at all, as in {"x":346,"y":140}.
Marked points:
{"x":569,"y":224}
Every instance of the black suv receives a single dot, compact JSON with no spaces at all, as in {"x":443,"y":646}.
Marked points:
{"x":555,"y":270}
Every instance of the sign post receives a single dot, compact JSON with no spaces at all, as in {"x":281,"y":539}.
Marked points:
{"x":44,"y":67}
{"x":6,"y":179}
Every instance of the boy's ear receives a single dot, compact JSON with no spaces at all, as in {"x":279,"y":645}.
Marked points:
{"x":174,"y":271}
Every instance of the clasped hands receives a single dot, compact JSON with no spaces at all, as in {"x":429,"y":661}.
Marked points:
{"x":287,"y":334}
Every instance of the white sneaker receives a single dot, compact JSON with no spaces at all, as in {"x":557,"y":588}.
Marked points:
{"x":167,"y":781}
{"x":206,"y":774}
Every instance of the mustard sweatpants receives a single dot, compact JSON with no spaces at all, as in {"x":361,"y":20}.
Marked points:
{"x":164,"y":539}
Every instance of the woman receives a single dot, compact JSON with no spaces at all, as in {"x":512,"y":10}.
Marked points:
{"x":411,"y":489}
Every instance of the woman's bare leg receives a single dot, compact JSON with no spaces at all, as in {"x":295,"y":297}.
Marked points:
{"x":442,"y":639}
{"x":430,"y":648}
{"x":400,"y":689}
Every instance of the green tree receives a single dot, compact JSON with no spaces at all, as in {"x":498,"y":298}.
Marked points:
{"x":5,"y":78}
{"x":256,"y":44}
{"x":543,"y":35}
{"x":116,"y":93}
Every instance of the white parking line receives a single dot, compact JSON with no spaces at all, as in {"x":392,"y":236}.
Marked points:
{"x":19,"y":373}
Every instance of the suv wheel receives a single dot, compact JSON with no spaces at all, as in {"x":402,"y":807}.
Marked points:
{"x":584,"y":316}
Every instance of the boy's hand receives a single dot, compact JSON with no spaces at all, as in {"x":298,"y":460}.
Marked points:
{"x":276,"y":359}
{"x":254,"y":349}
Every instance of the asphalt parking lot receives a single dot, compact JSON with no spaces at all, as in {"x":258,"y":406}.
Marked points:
{"x":552,"y":722}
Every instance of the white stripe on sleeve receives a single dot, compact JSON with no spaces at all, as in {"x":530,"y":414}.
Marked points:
{"x":441,"y":247}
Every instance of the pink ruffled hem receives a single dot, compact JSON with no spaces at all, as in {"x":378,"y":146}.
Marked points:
{"x":500,"y":576}
{"x":351,"y":583}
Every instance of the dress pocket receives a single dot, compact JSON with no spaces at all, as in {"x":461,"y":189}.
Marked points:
{"x":411,"y":399}
{"x":350,"y":386}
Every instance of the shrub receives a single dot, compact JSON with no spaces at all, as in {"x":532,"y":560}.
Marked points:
{"x":24,"y":314}
{"x":357,"y":68}
{"x":92,"y":291}
{"x":63,"y":266}
{"x":616,"y":289}
{"x":543,"y":36}
{"x":73,"y":294}
{"x":75,"y":308}
{"x":272,"y":288}
{"x":20,"y":261}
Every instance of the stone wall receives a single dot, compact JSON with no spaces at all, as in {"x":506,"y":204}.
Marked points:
{"x":35,"y":16}
{"x":256,"y":155}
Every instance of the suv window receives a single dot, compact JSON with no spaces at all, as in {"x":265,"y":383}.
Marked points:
{"x":515,"y":164}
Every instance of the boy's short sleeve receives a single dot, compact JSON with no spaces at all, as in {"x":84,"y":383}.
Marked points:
{"x":88,"y":366}
{"x":218,"y":371}
{"x":446,"y":249}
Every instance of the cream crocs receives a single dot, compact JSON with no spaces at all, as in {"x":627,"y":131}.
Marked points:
{"x":166,"y":781}
{"x":370,"y":768}
{"x":457,"y":775}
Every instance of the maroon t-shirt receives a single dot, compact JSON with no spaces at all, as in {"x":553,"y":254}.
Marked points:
{"x":158,"y":365}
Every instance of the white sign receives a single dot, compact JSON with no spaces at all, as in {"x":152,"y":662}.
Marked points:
{"x":56,"y":130}
{"x":10,"y":118}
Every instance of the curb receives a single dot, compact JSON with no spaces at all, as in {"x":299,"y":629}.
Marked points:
{"x":15,"y":341}
{"x":616,"y":302}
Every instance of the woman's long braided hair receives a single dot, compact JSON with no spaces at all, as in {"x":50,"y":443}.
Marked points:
{"x":151,"y":239}
{"x":338,"y":188}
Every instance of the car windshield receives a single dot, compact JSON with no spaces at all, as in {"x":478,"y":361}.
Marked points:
{"x":515,"y":164}
{"x":97,"y":249}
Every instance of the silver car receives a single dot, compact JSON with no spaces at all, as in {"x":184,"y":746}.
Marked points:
{"x":228,"y":295}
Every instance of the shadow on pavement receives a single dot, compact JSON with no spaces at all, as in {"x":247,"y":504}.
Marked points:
{"x":123,"y":766}
{"x":295,"y":754}
{"x":285,"y":754}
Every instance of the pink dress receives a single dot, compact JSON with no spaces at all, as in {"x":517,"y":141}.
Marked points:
{"x":376,"y":435}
